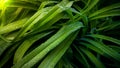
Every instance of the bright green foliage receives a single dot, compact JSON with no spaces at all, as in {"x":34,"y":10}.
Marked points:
{"x":59,"y":34}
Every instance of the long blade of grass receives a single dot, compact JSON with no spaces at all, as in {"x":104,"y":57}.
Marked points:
{"x":90,"y":46}
{"x":116,"y":48}
{"x":47,"y":25}
{"x":87,"y":3}
{"x":42,"y":14}
{"x":4,"y":39}
{"x":23,"y":4}
{"x":44,"y":17}
{"x":83,"y":59}
{"x":38,"y":53}
{"x":51,"y":46}
{"x":8,"y":54}
{"x":13,"y":26}
{"x":113,"y":25}
{"x":93,"y":59}
{"x":43,"y":4}
{"x":106,"y":14}
{"x":106,"y":38}
{"x":90,"y":5}
{"x":105,"y":9}
{"x":15,"y":14}
{"x":54,"y":56}
{"x":3,"y":46}
{"x":29,"y":22}
{"x":37,"y":2}
{"x":62,"y":7}
{"x":3,"y":17}
{"x":110,"y":52}
{"x":6,"y":44}
{"x":25,"y":45}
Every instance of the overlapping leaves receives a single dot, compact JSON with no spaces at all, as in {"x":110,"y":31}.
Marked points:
{"x":48,"y":34}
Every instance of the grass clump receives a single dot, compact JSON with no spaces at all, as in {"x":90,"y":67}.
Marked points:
{"x":59,"y":34}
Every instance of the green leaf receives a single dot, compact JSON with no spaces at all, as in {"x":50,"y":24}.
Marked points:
{"x":3,"y":17}
{"x":90,"y":46}
{"x":116,"y":48}
{"x":3,"y":46}
{"x":107,"y":14}
{"x":43,"y":16}
{"x":107,"y":50}
{"x":38,"y":15}
{"x":106,"y":38}
{"x":93,"y":59}
{"x":25,"y":45}
{"x":54,"y":56}
{"x":83,"y":59}
{"x":113,"y":25}
{"x":38,"y":53}
{"x":22,"y":4}
{"x":47,"y":25}
{"x":13,"y":26}
{"x":89,"y":6}
{"x":105,"y":9}
{"x":8,"y":54}
{"x":43,"y":4}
